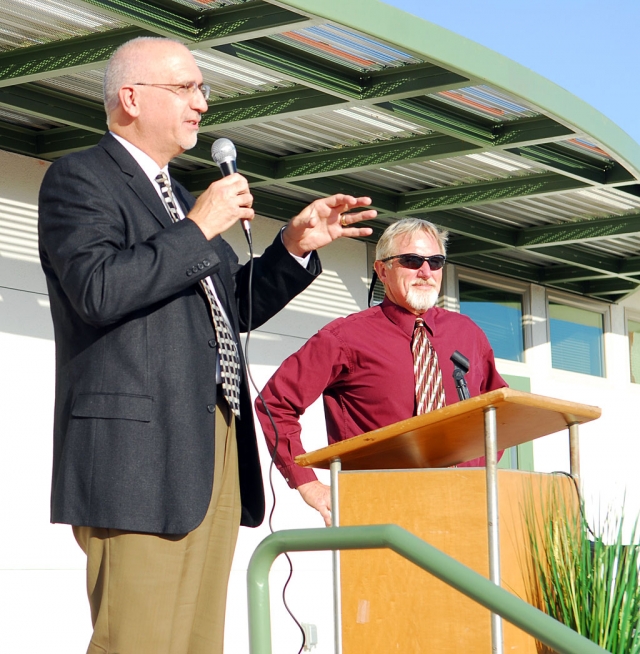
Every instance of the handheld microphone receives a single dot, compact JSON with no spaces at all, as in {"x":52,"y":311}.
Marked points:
{"x":223,"y":153}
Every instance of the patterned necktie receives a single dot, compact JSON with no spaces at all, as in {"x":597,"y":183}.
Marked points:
{"x":228,"y":352}
{"x":429,"y":389}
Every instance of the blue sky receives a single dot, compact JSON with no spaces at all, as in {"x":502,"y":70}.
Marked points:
{"x":590,"y":48}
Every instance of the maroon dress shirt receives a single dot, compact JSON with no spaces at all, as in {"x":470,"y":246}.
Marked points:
{"x":362,"y":365}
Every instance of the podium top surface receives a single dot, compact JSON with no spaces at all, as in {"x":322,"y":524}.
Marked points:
{"x":454,"y":433}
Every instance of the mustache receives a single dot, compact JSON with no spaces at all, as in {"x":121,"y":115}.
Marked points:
{"x":423,"y":282}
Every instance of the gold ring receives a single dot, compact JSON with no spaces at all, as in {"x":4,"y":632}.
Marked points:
{"x":343,"y":220}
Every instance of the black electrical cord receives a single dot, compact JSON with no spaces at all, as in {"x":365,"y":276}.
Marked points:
{"x":277,"y":438}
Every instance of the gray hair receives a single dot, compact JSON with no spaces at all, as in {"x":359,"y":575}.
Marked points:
{"x":408,"y":227}
{"x":121,"y":68}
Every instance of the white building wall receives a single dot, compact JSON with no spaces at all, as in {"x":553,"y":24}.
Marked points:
{"x":42,"y":598}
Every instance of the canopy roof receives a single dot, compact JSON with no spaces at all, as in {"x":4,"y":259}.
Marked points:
{"x":359,"y":97}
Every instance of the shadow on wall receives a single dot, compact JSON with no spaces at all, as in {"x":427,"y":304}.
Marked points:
{"x":25,"y":313}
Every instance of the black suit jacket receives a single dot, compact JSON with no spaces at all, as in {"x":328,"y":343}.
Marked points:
{"x":136,"y":349}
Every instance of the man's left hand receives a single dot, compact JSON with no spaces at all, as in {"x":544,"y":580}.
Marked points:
{"x":325,"y":220}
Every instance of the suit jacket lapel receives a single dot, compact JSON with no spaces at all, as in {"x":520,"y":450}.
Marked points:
{"x":138,"y":181}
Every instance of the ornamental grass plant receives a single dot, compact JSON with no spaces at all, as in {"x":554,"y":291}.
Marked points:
{"x":584,"y":577}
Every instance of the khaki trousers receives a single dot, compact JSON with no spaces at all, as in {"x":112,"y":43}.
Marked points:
{"x":155,"y":594}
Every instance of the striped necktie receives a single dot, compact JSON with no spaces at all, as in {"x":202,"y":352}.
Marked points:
{"x":428,"y":377}
{"x":227,"y":347}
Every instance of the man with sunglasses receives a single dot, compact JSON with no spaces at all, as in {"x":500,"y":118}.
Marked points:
{"x":363,"y":365}
{"x":155,"y":454}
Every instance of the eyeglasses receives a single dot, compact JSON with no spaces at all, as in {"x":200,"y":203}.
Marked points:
{"x":415,"y":261}
{"x":182,"y":89}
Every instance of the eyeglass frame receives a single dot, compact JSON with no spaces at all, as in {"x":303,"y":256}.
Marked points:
{"x":438,"y":259}
{"x":205,"y":89}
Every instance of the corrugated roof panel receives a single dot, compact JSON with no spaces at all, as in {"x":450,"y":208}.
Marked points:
{"x":290,"y":192}
{"x":27,"y":121}
{"x":487,"y":102}
{"x":557,"y":208}
{"x":346,"y":47}
{"x":32,"y":22}
{"x":466,"y":169}
{"x":230,"y":77}
{"x":203,"y":5}
{"x":584,"y":146}
{"x":327,"y":130}
{"x":623,"y":246}
{"x":87,"y":84}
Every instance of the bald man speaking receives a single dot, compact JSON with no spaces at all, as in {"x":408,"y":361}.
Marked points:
{"x":155,"y":457}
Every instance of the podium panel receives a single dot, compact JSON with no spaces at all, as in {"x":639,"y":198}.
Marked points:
{"x":389,"y":604}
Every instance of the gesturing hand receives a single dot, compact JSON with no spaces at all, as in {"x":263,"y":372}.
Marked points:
{"x":325,"y":220}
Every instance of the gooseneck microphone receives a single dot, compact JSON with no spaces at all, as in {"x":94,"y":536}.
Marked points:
{"x":223,"y":153}
{"x":460,"y":369}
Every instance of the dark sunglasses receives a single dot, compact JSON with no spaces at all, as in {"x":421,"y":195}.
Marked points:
{"x":415,"y":261}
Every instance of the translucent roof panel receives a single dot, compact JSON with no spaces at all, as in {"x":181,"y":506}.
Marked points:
{"x":467,"y":169}
{"x":230,"y":77}
{"x":562,"y":207}
{"x":346,"y":47}
{"x":17,"y":118}
{"x":31,"y":22}
{"x":623,"y":246}
{"x":487,"y":102}
{"x":582,"y":145}
{"x":87,"y":84}
{"x":330,"y":129}
{"x":202,"y":5}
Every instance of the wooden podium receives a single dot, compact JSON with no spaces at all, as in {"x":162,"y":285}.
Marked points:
{"x":395,"y":475}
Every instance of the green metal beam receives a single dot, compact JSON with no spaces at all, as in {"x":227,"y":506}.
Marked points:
{"x":20,"y":140}
{"x":56,"y":106}
{"x":480,"y":233}
{"x":565,"y":273}
{"x":498,"y":266}
{"x":288,"y":63}
{"x":582,"y":231}
{"x":274,"y":206}
{"x":249,"y":20}
{"x":54,"y":143}
{"x":591,"y":260}
{"x":254,"y":108}
{"x":62,"y":57}
{"x":382,"y":200}
{"x":630,"y":266}
{"x":406,"y":81}
{"x":609,"y":286}
{"x":370,"y":155}
{"x":341,"y":81}
{"x":147,"y":15}
{"x":254,"y":18}
{"x":485,"y":192}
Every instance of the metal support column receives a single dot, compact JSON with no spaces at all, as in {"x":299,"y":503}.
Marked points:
{"x":336,"y":467}
{"x":491,"y":460}
{"x":574,"y":450}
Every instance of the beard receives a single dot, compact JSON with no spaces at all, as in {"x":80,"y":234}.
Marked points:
{"x":189,"y":142}
{"x":421,"y":297}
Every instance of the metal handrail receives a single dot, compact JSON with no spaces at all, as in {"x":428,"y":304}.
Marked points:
{"x":536,"y":623}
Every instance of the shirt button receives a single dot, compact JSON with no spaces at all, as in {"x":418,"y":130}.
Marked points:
{"x":211,"y":408}
{"x":213,"y":342}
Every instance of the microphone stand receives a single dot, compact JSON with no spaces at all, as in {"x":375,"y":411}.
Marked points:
{"x":460,"y":369}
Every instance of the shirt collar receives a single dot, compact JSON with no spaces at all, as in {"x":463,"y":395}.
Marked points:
{"x":405,"y":319}
{"x":148,"y":165}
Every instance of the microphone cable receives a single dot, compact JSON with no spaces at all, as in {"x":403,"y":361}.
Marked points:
{"x":277,"y":437}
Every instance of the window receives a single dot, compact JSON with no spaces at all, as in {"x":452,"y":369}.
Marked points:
{"x":499,"y":314}
{"x":576,"y":339}
{"x":633,"y":329}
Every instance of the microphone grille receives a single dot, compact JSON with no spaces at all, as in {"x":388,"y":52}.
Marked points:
{"x":223,"y":150}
